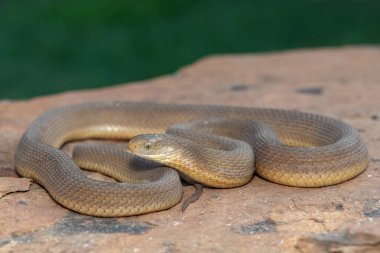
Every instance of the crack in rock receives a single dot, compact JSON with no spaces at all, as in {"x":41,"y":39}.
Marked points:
{"x":10,"y":185}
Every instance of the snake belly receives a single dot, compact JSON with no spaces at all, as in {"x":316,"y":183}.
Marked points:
{"x":314,"y":151}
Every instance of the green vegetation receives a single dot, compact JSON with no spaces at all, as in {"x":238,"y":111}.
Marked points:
{"x":51,"y":46}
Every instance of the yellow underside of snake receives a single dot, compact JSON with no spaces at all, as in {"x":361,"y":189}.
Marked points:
{"x":217,"y":146}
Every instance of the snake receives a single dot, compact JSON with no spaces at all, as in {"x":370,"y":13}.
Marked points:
{"x":218,"y":146}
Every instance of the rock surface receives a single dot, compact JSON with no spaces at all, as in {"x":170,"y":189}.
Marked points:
{"x":259,"y":217}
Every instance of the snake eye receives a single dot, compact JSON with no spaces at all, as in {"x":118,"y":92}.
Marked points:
{"x":147,"y":145}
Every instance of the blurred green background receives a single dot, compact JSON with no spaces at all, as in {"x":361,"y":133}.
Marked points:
{"x":48,"y":46}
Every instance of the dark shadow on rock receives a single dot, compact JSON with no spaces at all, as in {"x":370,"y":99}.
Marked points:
{"x":314,"y":91}
{"x":77,"y":223}
{"x":341,"y":241}
{"x":239,"y":87}
{"x":372,"y":208}
{"x":265,"y":226}
{"x":74,"y":224}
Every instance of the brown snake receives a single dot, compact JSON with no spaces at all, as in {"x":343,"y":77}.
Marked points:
{"x":285,"y":147}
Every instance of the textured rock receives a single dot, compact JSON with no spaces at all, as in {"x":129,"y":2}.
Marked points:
{"x":259,"y":217}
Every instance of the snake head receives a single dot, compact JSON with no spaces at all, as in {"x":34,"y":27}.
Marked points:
{"x":157,"y":147}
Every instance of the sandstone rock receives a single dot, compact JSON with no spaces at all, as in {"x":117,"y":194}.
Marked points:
{"x":258,"y":217}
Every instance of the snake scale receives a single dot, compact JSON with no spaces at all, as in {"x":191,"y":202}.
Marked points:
{"x":217,"y":146}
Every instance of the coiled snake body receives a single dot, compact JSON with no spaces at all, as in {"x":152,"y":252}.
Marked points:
{"x":289,"y":147}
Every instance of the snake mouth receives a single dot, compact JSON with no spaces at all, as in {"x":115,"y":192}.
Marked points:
{"x":152,"y":157}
